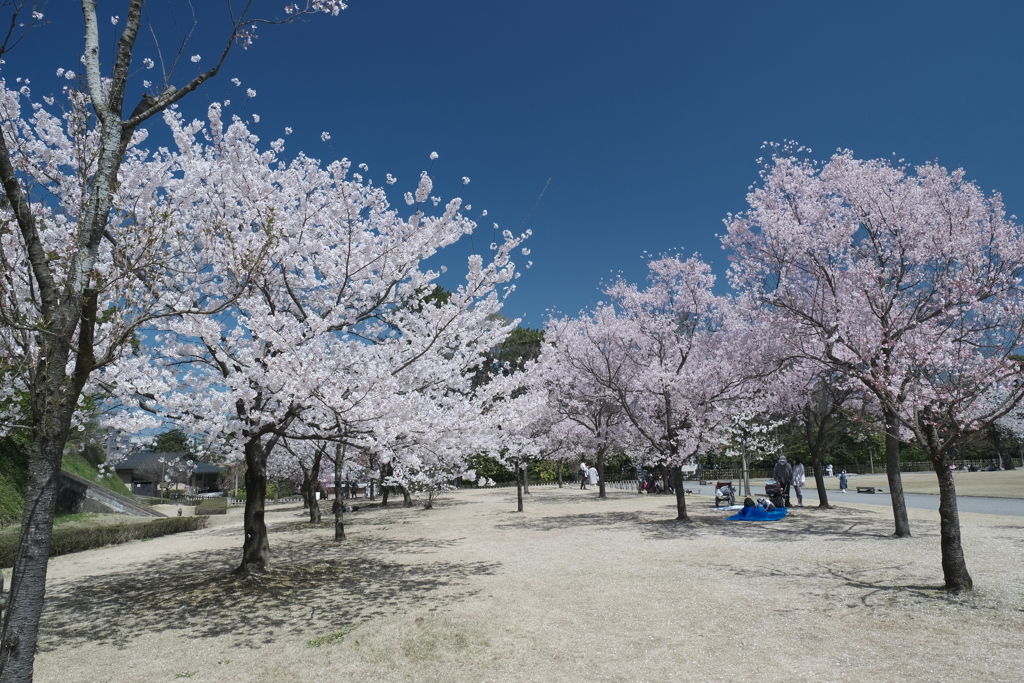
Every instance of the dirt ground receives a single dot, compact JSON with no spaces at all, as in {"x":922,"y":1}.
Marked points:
{"x":573,"y":589}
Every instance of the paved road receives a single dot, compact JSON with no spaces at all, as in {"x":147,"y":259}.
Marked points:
{"x":924,"y":501}
{"x":989,"y":506}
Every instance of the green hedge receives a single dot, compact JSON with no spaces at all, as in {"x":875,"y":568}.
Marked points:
{"x":212,"y":506}
{"x":73,"y":537}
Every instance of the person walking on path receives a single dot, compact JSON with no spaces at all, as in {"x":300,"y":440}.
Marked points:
{"x":592,"y":473}
{"x":798,"y":481}
{"x":842,"y":482}
{"x":783,"y":474}
{"x":582,"y":473}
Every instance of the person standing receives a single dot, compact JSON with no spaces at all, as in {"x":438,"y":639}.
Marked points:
{"x":828,"y":470}
{"x":842,"y":482}
{"x":783,"y":473}
{"x":592,"y":473}
{"x":798,"y":481}
{"x":582,"y":473}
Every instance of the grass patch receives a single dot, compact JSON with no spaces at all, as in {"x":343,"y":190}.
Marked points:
{"x":76,"y":464}
{"x":13,"y":476}
{"x":331,"y":638}
{"x":73,"y":538}
{"x":212,"y":506}
{"x":74,"y":517}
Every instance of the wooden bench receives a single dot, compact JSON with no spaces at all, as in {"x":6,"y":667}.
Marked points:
{"x":867,"y":489}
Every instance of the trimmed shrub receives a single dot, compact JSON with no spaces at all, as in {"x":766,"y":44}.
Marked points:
{"x":212,"y":506}
{"x":76,"y":537}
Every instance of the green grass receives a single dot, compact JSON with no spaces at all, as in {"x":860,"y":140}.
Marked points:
{"x":212,"y":506}
{"x":331,"y":638}
{"x":76,"y":464}
{"x":74,"y":517}
{"x":13,"y":476}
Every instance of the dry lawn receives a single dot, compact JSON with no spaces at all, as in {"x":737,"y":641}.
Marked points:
{"x":573,"y":589}
{"x":1002,"y":484}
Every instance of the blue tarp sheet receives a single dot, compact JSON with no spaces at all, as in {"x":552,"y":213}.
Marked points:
{"x":757,"y":514}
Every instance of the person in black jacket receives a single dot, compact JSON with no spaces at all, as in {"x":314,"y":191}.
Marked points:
{"x":784,"y":477}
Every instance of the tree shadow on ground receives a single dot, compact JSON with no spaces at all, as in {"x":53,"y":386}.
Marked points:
{"x":888,"y":588}
{"x":835,"y":524}
{"x":559,"y":522}
{"x":844,"y":525}
{"x":313,"y":585}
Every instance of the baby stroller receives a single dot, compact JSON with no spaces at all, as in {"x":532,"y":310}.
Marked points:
{"x":724,"y":493}
{"x":773,"y":491}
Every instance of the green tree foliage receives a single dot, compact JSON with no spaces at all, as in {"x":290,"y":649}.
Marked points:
{"x":173,"y":441}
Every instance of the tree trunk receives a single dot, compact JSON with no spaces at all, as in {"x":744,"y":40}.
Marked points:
{"x":314,"y":506}
{"x":519,"y":488}
{"x":746,"y":475}
{"x":526,"y":478}
{"x":28,"y":580}
{"x":53,"y":397}
{"x":677,"y":481}
{"x":407,"y":498}
{"x":1005,"y":458}
{"x":819,"y":477}
{"x":339,"y":507}
{"x":600,"y":472}
{"x":892,"y":473}
{"x":310,"y":480}
{"x":954,"y":567}
{"x":256,"y":548}
{"x":558,"y":468}
{"x":386,"y":471}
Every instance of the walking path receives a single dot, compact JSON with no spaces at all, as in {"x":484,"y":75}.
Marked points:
{"x":924,"y":501}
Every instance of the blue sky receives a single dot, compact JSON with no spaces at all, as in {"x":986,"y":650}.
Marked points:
{"x":646,"y":116}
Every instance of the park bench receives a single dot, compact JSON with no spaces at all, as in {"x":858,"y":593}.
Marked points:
{"x":867,"y":489}
{"x":728,"y":500}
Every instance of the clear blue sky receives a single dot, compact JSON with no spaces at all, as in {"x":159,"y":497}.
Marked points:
{"x":646,"y":116}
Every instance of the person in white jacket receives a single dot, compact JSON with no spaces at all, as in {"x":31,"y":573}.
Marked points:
{"x":798,"y":481}
{"x":592,"y":472}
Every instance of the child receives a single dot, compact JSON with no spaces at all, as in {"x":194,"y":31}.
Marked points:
{"x":842,"y":481}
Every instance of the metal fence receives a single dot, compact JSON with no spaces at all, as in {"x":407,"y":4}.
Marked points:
{"x":268,"y":501}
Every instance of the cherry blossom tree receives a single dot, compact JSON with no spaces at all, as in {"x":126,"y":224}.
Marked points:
{"x":748,"y":434}
{"x":658,"y":355}
{"x":822,"y":413}
{"x":344,"y":327}
{"x":307,"y":456}
{"x":71,"y":246}
{"x":582,"y":409}
{"x":907,"y":281}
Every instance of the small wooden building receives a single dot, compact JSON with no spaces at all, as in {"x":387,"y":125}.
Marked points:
{"x":143,"y":473}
